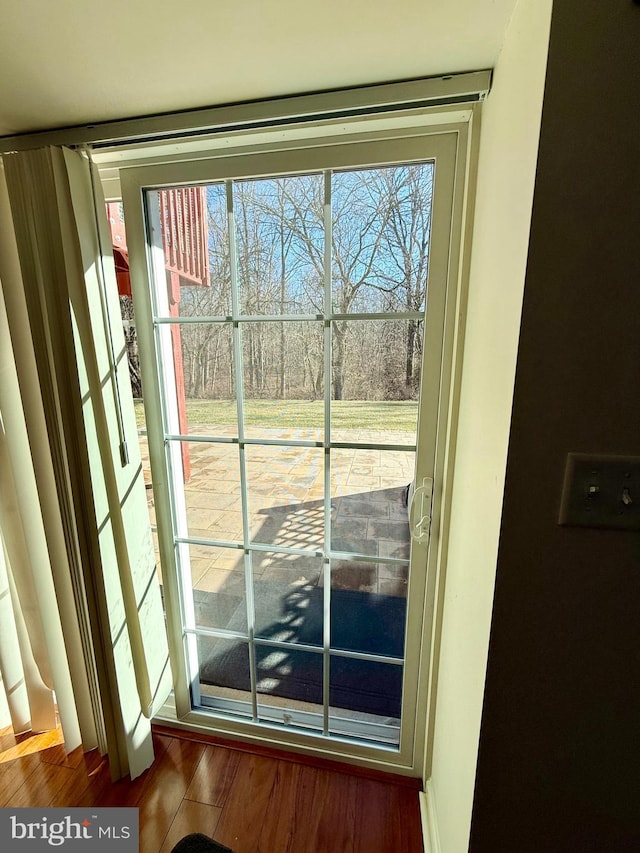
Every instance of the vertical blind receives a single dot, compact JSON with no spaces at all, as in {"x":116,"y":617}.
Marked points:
{"x":107,"y":584}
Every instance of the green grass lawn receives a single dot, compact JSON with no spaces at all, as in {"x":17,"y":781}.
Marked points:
{"x":346,"y":414}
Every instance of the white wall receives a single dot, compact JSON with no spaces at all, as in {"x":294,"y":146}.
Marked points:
{"x":506,"y":172}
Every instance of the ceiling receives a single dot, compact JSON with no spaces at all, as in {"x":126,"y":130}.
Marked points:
{"x":64,"y":63}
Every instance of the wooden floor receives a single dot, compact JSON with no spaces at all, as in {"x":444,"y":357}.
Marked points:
{"x":251,"y":803}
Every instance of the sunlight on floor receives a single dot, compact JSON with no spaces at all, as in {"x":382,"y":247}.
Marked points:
{"x":15,"y":746}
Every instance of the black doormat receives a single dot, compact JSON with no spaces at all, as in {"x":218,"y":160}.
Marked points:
{"x":360,"y":622}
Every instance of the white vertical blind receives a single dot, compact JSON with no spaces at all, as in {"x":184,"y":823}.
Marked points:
{"x":32,"y":534}
{"x":107,"y":581}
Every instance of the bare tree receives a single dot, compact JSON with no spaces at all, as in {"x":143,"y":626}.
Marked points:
{"x":379,"y":255}
{"x":407,"y":193}
{"x":380,"y":233}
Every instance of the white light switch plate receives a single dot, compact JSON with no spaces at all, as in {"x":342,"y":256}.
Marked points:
{"x":601,"y":491}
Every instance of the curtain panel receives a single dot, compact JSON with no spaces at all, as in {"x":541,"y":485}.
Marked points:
{"x":63,"y":301}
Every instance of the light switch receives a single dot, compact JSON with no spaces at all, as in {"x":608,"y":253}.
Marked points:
{"x":601,"y":491}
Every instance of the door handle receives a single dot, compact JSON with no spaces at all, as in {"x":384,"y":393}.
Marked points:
{"x":420,"y":510}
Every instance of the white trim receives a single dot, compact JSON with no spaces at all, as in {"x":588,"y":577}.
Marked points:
{"x":315,"y":134}
{"x":447,"y":145}
{"x":464,"y":210}
{"x":429,"y":819}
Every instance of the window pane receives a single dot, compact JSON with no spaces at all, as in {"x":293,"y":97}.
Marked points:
{"x":285,"y":488}
{"x":203,"y":396}
{"x":365,"y":686}
{"x":369,"y":501}
{"x":376,"y":380}
{"x":280,"y":244}
{"x":283,"y":367}
{"x":218,"y":580}
{"x":363,"y":619}
{"x":224,"y":663}
{"x":288,"y":598}
{"x":206,"y":350}
{"x":289,"y":673}
{"x":194,"y":239}
{"x":211,"y":491}
{"x":381,"y":220}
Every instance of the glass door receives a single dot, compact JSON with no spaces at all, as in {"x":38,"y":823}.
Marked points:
{"x":297,"y":394}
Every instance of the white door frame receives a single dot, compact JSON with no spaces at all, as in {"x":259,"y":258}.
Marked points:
{"x":448,"y":147}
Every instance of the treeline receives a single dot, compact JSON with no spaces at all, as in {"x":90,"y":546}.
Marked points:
{"x":379,"y":236}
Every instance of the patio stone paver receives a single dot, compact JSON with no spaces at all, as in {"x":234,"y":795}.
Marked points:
{"x":230,"y":560}
{"x":218,"y":580}
{"x":391,"y":548}
{"x":286,"y":506}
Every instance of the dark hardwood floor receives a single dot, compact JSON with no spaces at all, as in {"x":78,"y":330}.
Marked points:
{"x":250,"y":802}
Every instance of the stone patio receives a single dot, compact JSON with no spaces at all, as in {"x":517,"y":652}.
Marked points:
{"x":286,"y":508}
{"x":285,"y":489}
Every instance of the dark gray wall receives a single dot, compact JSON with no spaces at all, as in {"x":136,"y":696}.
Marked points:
{"x":559,"y":762}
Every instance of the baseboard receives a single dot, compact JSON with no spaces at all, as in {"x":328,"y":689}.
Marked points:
{"x":429,"y":816}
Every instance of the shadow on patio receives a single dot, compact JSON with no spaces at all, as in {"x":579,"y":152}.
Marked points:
{"x":367,"y":610}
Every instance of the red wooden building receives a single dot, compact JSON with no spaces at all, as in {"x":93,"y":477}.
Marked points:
{"x":183,"y":214}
